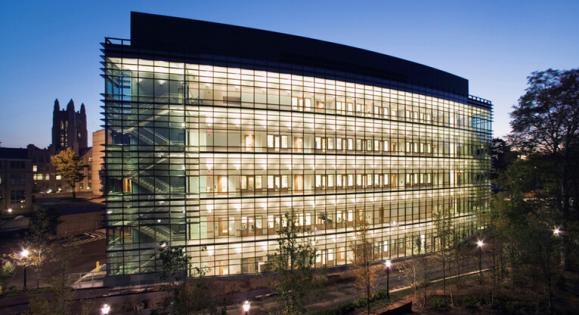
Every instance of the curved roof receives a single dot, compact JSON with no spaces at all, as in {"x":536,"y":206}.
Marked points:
{"x":152,"y":32}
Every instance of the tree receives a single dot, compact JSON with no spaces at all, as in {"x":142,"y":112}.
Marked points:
{"x":545,"y":124}
{"x":293,"y":262}
{"x":443,"y":225}
{"x":502,"y":156}
{"x":6,"y":273}
{"x":191,"y":297}
{"x":58,"y":297}
{"x":43,"y":225}
{"x":366,"y":277}
{"x":174,"y":264}
{"x":69,"y":166}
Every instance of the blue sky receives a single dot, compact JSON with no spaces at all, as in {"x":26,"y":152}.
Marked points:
{"x":50,"y":49}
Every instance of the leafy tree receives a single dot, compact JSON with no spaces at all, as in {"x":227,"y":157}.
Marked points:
{"x":69,"y":166}
{"x":502,"y":156}
{"x":545,"y":126}
{"x":6,"y":273}
{"x":191,"y":296}
{"x":43,"y":225}
{"x":174,"y":263}
{"x":293,"y":262}
{"x":57,"y":299}
{"x":38,"y":304}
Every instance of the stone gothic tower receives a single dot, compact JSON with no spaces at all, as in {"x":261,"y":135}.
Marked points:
{"x":68,"y":128}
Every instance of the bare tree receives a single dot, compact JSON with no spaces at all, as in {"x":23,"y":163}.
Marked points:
{"x":366,"y":277}
{"x":293,"y":262}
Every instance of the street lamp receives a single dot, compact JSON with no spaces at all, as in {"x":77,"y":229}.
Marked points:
{"x":105,"y":309}
{"x":388,"y":265}
{"x":246,"y":306}
{"x":24,"y":253}
{"x":480,"y":244}
{"x":557,"y":231}
{"x":9,"y":210}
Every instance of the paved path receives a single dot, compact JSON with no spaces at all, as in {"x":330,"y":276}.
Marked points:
{"x":331,"y":296}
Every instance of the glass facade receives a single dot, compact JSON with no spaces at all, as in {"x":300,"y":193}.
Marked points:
{"x":210,"y":158}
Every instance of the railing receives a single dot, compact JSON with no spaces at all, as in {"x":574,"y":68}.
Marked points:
{"x":117,"y":41}
{"x":479,"y":99}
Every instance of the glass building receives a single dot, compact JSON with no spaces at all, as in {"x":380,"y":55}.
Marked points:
{"x":217,"y":131}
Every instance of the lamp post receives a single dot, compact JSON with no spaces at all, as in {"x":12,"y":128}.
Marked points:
{"x":246,"y":306}
{"x":105,"y":309}
{"x":557,"y":233}
{"x":24,"y":253}
{"x":479,"y":245}
{"x":388,"y":265}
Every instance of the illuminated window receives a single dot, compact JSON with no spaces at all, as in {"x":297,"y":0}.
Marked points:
{"x":270,"y":182}
{"x":127,"y":185}
{"x":249,"y":140}
{"x":319,"y":143}
{"x":270,"y":141}
{"x":350,"y":144}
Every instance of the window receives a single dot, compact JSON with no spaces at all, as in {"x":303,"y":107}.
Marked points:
{"x":249,"y":141}
{"x":17,"y":164}
{"x":339,"y":144}
{"x":243,"y":182}
{"x":308,"y":104}
{"x":274,"y":142}
{"x":17,"y":195}
{"x":331,"y":142}
{"x":350,"y":144}
{"x":270,"y":141}
{"x":270,"y":182}
{"x":222,"y":183}
{"x":330,"y":181}
{"x":127,"y":184}
{"x":386,"y":146}
{"x":298,"y":183}
{"x":319,"y":143}
{"x":318,"y":181}
{"x":284,"y":142}
{"x":298,"y":143}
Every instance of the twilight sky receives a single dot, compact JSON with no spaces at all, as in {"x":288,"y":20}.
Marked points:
{"x":50,"y":49}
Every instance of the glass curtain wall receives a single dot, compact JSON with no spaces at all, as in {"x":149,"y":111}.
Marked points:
{"x":211,"y":158}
